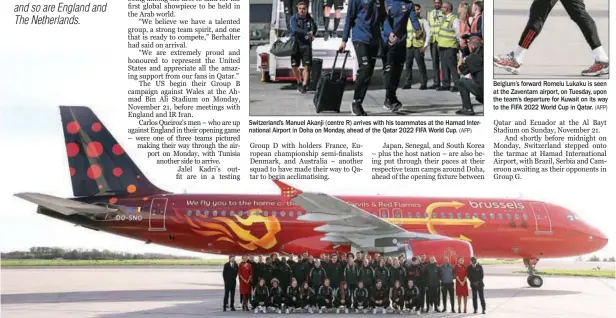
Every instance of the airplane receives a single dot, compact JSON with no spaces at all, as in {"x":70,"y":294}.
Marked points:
{"x":111,"y":194}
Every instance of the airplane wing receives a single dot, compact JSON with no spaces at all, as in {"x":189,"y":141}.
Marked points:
{"x":346,"y":223}
{"x":64,"y":206}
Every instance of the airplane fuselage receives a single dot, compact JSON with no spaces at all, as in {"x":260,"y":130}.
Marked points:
{"x":262,"y":224}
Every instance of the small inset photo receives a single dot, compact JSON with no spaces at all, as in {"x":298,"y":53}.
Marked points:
{"x":367,"y":58}
{"x":551,"y":39}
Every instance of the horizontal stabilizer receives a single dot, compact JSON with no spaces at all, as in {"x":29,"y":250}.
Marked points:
{"x":64,"y":206}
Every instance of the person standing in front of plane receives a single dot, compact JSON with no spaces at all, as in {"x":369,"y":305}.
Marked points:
{"x":382,"y":273}
{"x":461,"y":284}
{"x":447,"y":277}
{"x":366,"y":275}
{"x":333,"y":269}
{"x":399,"y":13}
{"x":268,"y":271}
{"x":350,"y":274}
{"x":475,"y":276}
{"x":317,"y":275}
{"x":229,"y":276}
{"x":285,"y":273}
{"x":397,"y":273}
{"x":363,"y":17}
{"x":245,"y":275}
{"x":433,"y":278}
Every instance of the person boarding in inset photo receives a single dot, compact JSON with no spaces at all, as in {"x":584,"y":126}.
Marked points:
{"x":303,"y":29}
{"x":473,"y":65}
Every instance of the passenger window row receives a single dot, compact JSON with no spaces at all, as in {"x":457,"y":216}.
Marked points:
{"x":459,"y":215}
{"x":214,"y":213}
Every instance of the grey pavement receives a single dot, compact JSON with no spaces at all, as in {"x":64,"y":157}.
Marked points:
{"x":559,"y":51}
{"x":188,"y":291}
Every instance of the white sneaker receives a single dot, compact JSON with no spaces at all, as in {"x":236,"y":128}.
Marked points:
{"x":346,"y":310}
{"x":264,"y":310}
{"x":287,"y":310}
{"x":374,"y":311}
{"x":279,"y":311}
{"x":310,"y":310}
{"x":256,"y":310}
{"x":320,"y":311}
{"x":357,"y":311}
{"x":384,"y":311}
{"x":419,"y":313}
{"x":338,"y":310}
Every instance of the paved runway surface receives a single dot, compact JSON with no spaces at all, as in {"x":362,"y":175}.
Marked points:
{"x":189,"y":291}
{"x":559,"y":51}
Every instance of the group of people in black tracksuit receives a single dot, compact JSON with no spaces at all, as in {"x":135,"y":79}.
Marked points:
{"x":359,"y":283}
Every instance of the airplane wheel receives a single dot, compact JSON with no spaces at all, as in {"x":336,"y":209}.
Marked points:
{"x":535,"y":281}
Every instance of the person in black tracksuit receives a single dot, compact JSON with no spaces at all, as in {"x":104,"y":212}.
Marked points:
{"x":229,"y":275}
{"x":303,"y":29}
{"x":257,"y":271}
{"x":276,"y":296}
{"x":366,"y":275}
{"x":412,"y":299}
{"x":343,"y":299}
{"x":397,"y":273}
{"x":292,"y":297}
{"x":267,"y":271}
{"x":416,"y":274}
{"x":325,"y":296}
{"x":317,"y":275}
{"x":333,"y":269}
{"x":399,"y":13}
{"x":475,"y":277}
{"x":380,"y":297}
{"x":284,"y":274}
{"x":397,"y":296}
{"x":350,"y":275}
{"x":307,"y":297}
{"x":298,"y":270}
{"x":261,"y":296}
{"x":382,"y":273}
{"x":361,"y":297}
{"x":423,"y":281}
{"x":433,"y":280}
{"x":363,"y":18}
{"x":539,"y":12}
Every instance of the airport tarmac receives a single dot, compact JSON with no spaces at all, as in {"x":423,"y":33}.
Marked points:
{"x":190,"y":291}
{"x":269,"y":99}
{"x":559,"y":51}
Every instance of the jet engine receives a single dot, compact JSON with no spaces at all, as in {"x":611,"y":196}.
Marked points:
{"x":314,"y":246}
{"x":440,"y":249}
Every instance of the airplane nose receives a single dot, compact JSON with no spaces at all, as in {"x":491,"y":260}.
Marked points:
{"x":598,"y":239}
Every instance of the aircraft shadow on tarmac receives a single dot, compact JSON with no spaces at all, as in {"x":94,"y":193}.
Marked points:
{"x":214,"y":294}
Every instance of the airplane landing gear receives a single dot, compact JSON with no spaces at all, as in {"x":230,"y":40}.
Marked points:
{"x":533,"y":279}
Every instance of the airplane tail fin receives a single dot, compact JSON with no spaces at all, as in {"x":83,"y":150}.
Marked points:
{"x":97,"y":163}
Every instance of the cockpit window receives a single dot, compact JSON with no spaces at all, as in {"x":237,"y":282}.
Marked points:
{"x":570,"y":217}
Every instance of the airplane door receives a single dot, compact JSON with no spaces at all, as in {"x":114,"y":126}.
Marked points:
{"x":542,"y":218}
{"x":158,"y":210}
